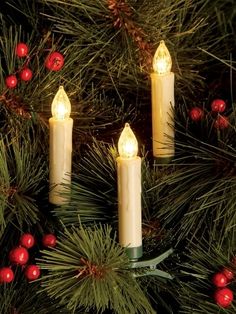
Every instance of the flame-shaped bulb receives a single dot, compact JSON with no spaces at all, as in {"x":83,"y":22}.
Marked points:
{"x":162,"y":60}
{"x":127,"y":144}
{"x":61,"y":106}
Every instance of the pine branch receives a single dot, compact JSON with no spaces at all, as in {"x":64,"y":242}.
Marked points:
{"x":93,"y":196}
{"x":185,"y":25}
{"x":22,"y":297}
{"x":26,"y":96}
{"x":24,"y":13}
{"x":92,"y":108}
{"x":22,"y":173}
{"x":203,"y":261}
{"x":196,"y":192}
{"x":86,"y":258}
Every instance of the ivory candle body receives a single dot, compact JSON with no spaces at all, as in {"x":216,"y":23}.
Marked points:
{"x":162,"y":115}
{"x":60,"y":141}
{"x":129,"y":194}
{"x":162,"y":82}
{"x":129,"y":202}
{"x":60,"y":148}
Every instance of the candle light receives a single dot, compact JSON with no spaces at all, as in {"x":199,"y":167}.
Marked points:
{"x":129,"y":194}
{"x":162,"y":80}
{"x":60,"y":147}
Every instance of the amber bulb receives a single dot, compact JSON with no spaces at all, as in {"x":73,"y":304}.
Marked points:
{"x":61,"y":107}
{"x":162,"y":62}
{"x":127,"y":144}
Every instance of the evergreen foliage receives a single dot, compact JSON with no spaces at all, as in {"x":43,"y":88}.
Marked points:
{"x":19,"y":298}
{"x":22,"y":178}
{"x":93,"y":190}
{"x":188,"y":204}
{"x":89,"y":270}
{"x":197,"y":284}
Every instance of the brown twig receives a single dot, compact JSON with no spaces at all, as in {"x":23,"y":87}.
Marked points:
{"x":15,"y":104}
{"x":90,"y":269}
{"x":122,"y":18}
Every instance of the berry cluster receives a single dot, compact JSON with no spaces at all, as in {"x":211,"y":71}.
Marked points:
{"x":19,"y":255}
{"x":53,"y":62}
{"x":218,"y":106}
{"x":223,"y":295}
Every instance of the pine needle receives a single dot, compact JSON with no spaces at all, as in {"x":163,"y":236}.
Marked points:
{"x":89,"y":269}
{"x":22,"y":172}
{"x":23,"y":297}
{"x":197,"y":289}
{"x":93,"y":189}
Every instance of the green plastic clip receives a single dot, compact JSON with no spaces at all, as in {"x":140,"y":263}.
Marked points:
{"x":151,"y":265}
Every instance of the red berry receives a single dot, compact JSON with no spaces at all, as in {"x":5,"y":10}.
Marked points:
{"x":6,"y":274}
{"x":27,"y":240}
{"x":224,"y":297}
{"x":11,"y":81}
{"x":22,"y":50}
{"x":229,"y":274}
{"x":49,"y":240}
{"x":221,"y":122}
{"x":19,"y":255}
{"x":54,"y":61}
{"x":219,"y":280}
{"x":32,"y":272}
{"x":218,"y":105}
{"x":196,"y":114}
{"x":26,"y":74}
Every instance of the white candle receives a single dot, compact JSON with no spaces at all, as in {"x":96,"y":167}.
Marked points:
{"x":162,"y":80}
{"x":129,"y":194}
{"x":60,"y":147}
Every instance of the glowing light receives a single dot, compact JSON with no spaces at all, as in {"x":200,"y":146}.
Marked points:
{"x":127,"y":144}
{"x":162,"y":60}
{"x":61,"y":106}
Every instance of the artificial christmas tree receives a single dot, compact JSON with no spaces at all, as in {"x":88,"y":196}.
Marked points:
{"x":69,"y":255}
